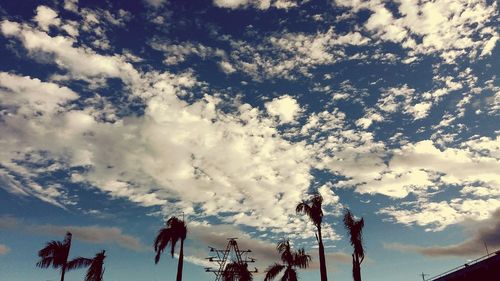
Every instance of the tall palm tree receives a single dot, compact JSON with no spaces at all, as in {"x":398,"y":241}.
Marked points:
{"x":96,"y":269}
{"x":236,"y":271}
{"x":291,"y":260}
{"x":55,"y":254}
{"x":355,"y":229}
{"x":312,"y":208}
{"x":174,"y":231}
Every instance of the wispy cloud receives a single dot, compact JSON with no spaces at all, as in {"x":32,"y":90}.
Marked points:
{"x":4,"y":249}
{"x":89,"y":234}
{"x":485,"y":232}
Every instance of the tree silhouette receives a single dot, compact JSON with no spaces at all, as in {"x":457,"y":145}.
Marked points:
{"x":174,"y":231}
{"x":355,"y":228}
{"x":96,"y":269}
{"x":236,"y":271}
{"x":291,"y":260}
{"x":55,"y":254}
{"x":312,"y":208}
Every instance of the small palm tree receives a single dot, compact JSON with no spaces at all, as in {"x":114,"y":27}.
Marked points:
{"x":355,"y":229}
{"x":96,"y":269}
{"x":291,"y":260}
{"x":312,"y":208}
{"x":55,"y":254}
{"x":236,"y":271}
{"x":174,"y":231}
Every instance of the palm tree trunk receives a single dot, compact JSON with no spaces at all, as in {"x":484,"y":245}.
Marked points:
{"x":356,"y":268}
{"x":181,"y":261}
{"x":63,"y":271}
{"x":322,"y":262}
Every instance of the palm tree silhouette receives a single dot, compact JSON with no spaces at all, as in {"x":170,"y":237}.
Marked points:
{"x":174,"y":231}
{"x":236,"y":271}
{"x":55,"y":254}
{"x":355,"y":228}
{"x":96,"y":269}
{"x":312,"y":208}
{"x":291,"y":260}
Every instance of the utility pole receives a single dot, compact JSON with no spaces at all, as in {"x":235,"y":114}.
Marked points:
{"x":221,"y":258}
{"x":486,"y":247}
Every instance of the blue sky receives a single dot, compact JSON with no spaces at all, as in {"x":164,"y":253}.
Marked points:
{"x":118,"y":114}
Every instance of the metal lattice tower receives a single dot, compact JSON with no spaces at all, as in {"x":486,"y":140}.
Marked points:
{"x":221,"y":258}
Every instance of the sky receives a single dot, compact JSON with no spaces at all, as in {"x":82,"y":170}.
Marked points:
{"x":116,"y":115}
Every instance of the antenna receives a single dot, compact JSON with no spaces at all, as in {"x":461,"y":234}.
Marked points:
{"x":486,"y":247}
{"x":222,"y":255}
{"x":423,"y":276}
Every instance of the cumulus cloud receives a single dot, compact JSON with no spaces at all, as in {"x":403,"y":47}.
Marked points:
{"x":446,"y":27}
{"x":284,"y":107}
{"x":82,"y":63}
{"x":88,"y":234}
{"x":259,"y":4}
{"x":481,"y":233}
{"x":236,"y":164}
{"x":299,"y":53}
{"x":155,"y":3}
{"x":46,"y":17}
{"x":225,"y":154}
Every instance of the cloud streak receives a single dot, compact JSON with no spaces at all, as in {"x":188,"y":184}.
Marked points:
{"x":88,"y":234}
{"x":4,"y":249}
{"x":485,"y":232}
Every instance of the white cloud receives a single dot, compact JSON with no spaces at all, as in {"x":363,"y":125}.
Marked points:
{"x":285,"y":107}
{"x":227,"y":67}
{"x":26,"y":95}
{"x":82,"y":62}
{"x":46,"y":17}
{"x":178,"y":53}
{"x":298,"y":53}
{"x":210,"y":169}
{"x":156,"y":3}
{"x":71,"y":5}
{"x":490,"y":45}
{"x":223,"y":156}
{"x":446,"y":27}
{"x":259,"y":4}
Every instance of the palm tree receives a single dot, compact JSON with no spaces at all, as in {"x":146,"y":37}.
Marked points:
{"x":312,"y":208}
{"x":236,"y":271}
{"x":55,"y":254}
{"x":174,"y":231}
{"x":96,"y":269}
{"x":291,"y":260}
{"x":355,"y":228}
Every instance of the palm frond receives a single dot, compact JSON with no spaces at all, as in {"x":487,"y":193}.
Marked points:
{"x":46,"y":262}
{"x":355,"y":229}
{"x":96,"y":269}
{"x":174,"y":231}
{"x":54,"y":253}
{"x":78,"y":263}
{"x":162,"y":239}
{"x":301,"y":259}
{"x":50,"y":249}
{"x":290,"y":275}
{"x":273,"y":271}
{"x":173,"y":241}
{"x":348,"y":219}
{"x":312,"y":208}
{"x":283,"y":247}
{"x":236,"y":271}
